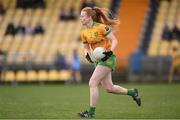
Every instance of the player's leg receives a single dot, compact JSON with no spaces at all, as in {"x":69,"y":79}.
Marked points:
{"x":111,"y":88}
{"x":99,"y":73}
{"x":116,"y":89}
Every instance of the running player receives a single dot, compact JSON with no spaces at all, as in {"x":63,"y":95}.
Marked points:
{"x":97,"y":32}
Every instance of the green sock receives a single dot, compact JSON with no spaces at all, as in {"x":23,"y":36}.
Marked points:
{"x":130,"y":92}
{"x":91,"y":110}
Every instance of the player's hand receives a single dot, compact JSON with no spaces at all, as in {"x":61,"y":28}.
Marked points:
{"x":107,"y":55}
{"x":88,"y":57}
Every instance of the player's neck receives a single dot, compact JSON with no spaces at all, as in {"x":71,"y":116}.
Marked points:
{"x":90,"y":24}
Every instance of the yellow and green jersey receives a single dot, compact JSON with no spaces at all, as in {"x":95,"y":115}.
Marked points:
{"x":96,"y":36}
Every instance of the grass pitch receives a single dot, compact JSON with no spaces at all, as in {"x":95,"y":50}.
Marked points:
{"x":65,"y":101}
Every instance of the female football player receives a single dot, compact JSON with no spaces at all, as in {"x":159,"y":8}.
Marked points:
{"x":97,"y":32}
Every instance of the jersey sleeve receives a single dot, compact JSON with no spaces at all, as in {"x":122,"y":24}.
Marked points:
{"x":105,"y":30}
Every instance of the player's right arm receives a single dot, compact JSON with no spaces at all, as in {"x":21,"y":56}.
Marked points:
{"x":85,"y":43}
{"x":87,"y":53}
{"x":87,"y":48}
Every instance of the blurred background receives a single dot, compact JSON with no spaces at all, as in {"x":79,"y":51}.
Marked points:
{"x":40,"y":41}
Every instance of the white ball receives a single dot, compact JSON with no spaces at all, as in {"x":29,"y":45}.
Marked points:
{"x":98,"y":53}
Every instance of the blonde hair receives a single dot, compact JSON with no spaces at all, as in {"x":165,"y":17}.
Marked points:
{"x":100,"y":15}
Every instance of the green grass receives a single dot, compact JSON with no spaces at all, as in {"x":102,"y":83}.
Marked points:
{"x":61,"y":101}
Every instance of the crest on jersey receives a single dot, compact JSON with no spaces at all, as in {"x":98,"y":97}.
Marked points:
{"x":96,"y":34}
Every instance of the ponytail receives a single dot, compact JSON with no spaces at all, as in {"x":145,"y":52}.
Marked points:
{"x":100,"y":15}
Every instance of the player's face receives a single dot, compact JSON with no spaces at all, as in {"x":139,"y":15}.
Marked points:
{"x":85,"y":19}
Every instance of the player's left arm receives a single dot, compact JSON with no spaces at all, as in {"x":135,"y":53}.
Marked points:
{"x":113,"y":39}
{"x":114,"y":43}
{"x":108,"y":33}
